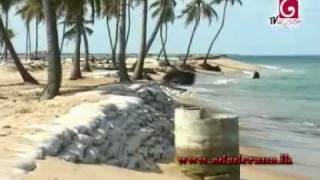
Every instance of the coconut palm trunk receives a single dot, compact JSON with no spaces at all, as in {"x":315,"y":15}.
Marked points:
{"x":109,"y":38}
{"x":27,"y":41}
{"x":195,"y":27}
{"x":1,"y":48}
{"x":7,"y":27}
{"x":129,"y":22}
{"x":138,"y":72}
{"x":218,"y":33}
{"x":23,"y":72}
{"x":75,"y":71}
{"x":86,"y":48}
{"x":113,"y":45}
{"x":37,"y":38}
{"x":154,"y":34}
{"x":139,"y":69}
{"x":163,"y":42}
{"x":124,"y":77}
{"x":63,"y":37}
{"x":54,"y":61}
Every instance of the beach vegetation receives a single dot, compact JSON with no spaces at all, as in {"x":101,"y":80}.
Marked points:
{"x":77,"y":17}
{"x":232,"y":2}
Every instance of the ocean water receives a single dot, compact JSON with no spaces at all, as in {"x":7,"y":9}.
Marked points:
{"x":279,"y":112}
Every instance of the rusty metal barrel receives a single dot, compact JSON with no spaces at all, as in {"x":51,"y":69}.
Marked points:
{"x":202,"y":133}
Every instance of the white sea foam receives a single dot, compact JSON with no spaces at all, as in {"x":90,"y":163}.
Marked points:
{"x":225,"y":81}
{"x":248,"y":72}
{"x":280,"y":69}
{"x":308,"y":124}
{"x":270,"y":67}
{"x":291,"y":71}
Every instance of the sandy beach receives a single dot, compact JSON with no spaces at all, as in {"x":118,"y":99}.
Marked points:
{"x":20,"y":108}
{"x":53,"y":169}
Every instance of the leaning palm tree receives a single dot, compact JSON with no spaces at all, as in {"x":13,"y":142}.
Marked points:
{"x":23,"y":72}
{"x":222,"y":24}
{"x":54,"y":61}
{"x":193,"y":12}
{"x":164,"y":40}
{"x":168,"y":16}
{"x":163,"y":10}
{"x":157,"y":26}
{"x":10,"y":35}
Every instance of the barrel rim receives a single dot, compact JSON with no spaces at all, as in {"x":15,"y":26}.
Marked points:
{"x":190,"y":108}
{"x":222,"y":116}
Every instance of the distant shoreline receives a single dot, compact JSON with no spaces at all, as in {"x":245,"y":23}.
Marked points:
{"x":69,"y":54}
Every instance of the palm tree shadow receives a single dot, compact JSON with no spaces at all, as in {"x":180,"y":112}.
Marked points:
{"x":71,"y":90}
{"x":13,"y":84}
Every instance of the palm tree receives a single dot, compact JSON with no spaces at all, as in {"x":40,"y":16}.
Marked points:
{"x":85,"y":31}
{"x":63,"y":33}
{"x":76,"y":72}
{"x":193,"y":12}
{"x":26,"y":15}
{"x":72,"y":34}
{"x":28,"y":40}
{"x":129,"y":5}
{"x":221,"y":26}
{"x":6,"y":6}
{"x":23,"y":72}
{"x":124,"y":77}
{"x":163,"y":9}
{"x":10,"y":35}
{"x":164,"y":39}
{"x":32,"y":10}
{"x":75,"y":13}
{"x":163,"y":44}
{"x":167,"y":16}
{"x":37,"y":36}
{"x":110,"y":9}
{"x":138,"y":72}
{"x":54,"y":61}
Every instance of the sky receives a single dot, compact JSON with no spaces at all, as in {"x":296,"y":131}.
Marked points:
{"x":247,"y":31}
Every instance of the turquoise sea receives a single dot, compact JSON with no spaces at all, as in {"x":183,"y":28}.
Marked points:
{"x":279,"y":112}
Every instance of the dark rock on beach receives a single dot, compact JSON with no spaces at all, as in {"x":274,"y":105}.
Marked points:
{"x":256,"y":75}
